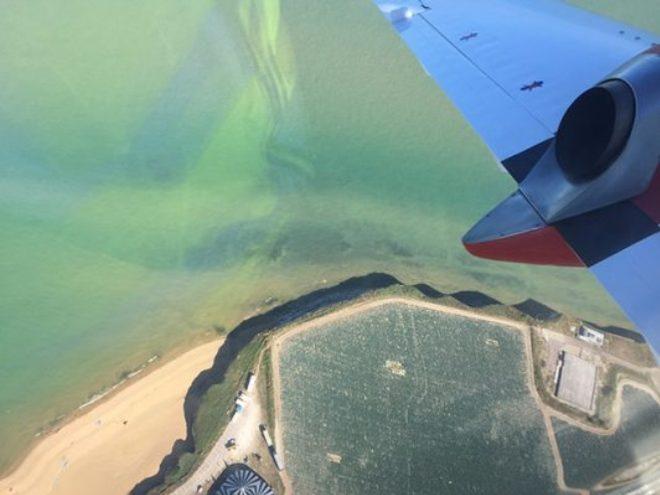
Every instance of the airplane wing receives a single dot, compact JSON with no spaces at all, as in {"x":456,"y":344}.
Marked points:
{"x":514,"y":68}
{"x":487,"y":55}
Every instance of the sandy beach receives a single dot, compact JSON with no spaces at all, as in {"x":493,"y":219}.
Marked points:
{"x":116,"y":444}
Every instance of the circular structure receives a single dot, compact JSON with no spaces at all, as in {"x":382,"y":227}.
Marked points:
{"x":239,"y":479}
{"x":594,"y":130}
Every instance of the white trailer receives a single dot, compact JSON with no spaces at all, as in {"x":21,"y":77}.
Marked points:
{"x":251,"y":380}
{"x":278,"y":460}
{"x":266,"y":435}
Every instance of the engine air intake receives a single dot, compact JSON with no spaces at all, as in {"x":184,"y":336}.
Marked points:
{"x":594,"y":130}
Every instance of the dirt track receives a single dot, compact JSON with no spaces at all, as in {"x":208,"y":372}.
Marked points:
{"x":244,"y":429}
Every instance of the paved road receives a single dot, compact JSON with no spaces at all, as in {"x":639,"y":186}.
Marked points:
{"x":245,"y":429}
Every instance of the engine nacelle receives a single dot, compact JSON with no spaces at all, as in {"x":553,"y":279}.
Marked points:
{"x":607,"y":146}
{"x":606,"y":150}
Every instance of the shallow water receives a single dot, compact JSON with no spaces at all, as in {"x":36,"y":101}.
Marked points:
{"x":640,"y":13}
{"x":460,"y":420}
{"x":168,"y":165}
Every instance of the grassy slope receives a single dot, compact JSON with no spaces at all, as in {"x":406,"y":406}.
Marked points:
{"x":215,"y":411}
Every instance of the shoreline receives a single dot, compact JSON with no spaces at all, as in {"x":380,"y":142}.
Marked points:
{"x":106,"y":392}
{"x":522,"y":328}
{"x":349,"y":297}
{"x":108,"y":444}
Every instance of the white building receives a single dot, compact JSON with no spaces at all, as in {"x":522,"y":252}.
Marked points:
{"x":590,"y":335}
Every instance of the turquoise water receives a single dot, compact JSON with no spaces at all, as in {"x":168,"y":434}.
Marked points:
{"x":641,"y":13}
{"x":461,"y":419}
{"x":167,"y":165}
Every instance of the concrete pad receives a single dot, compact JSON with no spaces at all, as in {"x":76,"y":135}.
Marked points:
{"x":578,"y":382}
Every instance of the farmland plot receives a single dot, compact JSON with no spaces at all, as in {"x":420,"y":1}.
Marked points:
{"x":399,"y":399}
{"x":589,"y":458}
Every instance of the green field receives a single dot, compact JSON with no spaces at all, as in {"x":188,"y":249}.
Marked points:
{"x":461,"y":419}
{"x":167,"y":165}
{"x":589,"y":459}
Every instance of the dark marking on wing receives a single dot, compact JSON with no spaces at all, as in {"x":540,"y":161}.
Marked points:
{"x":532,"y":86}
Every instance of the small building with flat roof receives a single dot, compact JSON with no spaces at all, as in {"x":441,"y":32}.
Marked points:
{"x":588,"y":334}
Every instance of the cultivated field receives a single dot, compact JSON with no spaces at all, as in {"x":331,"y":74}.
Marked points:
{"x":589,"y":458}
{"x":406,"y":399}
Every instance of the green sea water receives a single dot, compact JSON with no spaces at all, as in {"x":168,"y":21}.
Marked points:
{"x":166,"y":166}
{"x":640,"y":13}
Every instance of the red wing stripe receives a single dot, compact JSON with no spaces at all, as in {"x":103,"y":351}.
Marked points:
{"x":544,"y":246}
